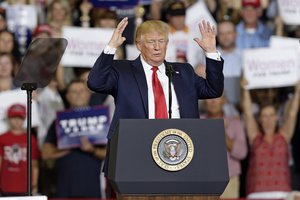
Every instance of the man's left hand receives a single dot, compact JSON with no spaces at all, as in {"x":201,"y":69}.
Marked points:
{"x":208,"y":40}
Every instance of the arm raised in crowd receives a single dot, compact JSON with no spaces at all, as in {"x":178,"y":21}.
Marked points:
{"x":291,"y":115}
{"x":250,"y":121}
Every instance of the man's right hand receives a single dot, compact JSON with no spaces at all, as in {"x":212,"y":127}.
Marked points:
{"x":117,"y":39}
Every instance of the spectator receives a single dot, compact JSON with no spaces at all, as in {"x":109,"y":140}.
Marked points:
{"x":8,"y":44}
{"x":268,"y":171}
{"x":235,"y":142}
{"x":78,"y":169}
{"x":42,"y":31}
{"x":179,"y":32}
{"x":13,"y":160}
{"x":49,"y":102}
{"x":7,"y":69}
{"x":104,"y":18}
{"x":224,"y":10}
{"x":3,"y":23}
{"x":252,"y":33}
{"x":233,"y":60}
{"x":59,"y":15}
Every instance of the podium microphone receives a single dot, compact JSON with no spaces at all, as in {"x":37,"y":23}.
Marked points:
{"x":169,"y":73}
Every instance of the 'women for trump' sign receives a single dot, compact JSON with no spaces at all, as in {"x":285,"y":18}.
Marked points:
{"x":71,"y":125}
{"x":84,"y":45}
{"x":271,"y":67}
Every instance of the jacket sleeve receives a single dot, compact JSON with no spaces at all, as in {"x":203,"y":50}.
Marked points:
{"x":213,"y":85}
{"x":103,"y":77}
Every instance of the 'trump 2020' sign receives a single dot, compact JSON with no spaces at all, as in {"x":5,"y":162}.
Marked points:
{"x":92,"y":123}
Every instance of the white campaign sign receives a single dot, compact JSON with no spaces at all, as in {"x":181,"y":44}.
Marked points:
{"x":277,"y":41}
{"x":84,"y":45}
{"x":290,"y":11}
{"x":195,"y":15}
{"x":269,"y":68}
{"x":286,"y":42}
{"x":21,"y":15}
{"x":16,"y":96}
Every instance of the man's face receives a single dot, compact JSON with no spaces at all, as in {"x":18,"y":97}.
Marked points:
{"x":78,"y":95}
{"x":178,"y":22}
{"x":250,"y":15}
{"x":153,"y":47}
{"x":226,"y":35}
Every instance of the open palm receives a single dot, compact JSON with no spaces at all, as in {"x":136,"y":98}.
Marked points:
{"x":208,"y":40}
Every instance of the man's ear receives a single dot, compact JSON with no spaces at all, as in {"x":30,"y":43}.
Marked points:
{"x":138,"y":45}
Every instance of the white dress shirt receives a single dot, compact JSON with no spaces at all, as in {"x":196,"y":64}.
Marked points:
{"x":164,"y":81}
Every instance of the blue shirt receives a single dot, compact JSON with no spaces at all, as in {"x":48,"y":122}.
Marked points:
{"x":260,"y":38}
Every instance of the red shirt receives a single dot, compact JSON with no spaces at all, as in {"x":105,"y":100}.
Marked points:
{"x":13,"y":153}
{"x":268,"y":168}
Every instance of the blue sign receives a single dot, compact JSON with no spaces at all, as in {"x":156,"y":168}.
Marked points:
{"x":90,"y":122}
{"x":114,"y":3}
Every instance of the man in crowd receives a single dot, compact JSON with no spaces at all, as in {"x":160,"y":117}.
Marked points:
{"x":232,"y":60}
{"x":78,"y":169}
{"x":252,"y":33}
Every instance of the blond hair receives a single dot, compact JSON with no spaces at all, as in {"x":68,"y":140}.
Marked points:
{"x":66,"y":6}
{"x":151,"y":26}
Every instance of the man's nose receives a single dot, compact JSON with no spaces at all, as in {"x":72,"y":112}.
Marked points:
{"x":156,"y":45}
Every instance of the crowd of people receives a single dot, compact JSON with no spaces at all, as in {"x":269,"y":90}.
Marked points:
{"x":261,"y":125}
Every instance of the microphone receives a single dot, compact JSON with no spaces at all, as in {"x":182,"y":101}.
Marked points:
{"x":169,"y":73}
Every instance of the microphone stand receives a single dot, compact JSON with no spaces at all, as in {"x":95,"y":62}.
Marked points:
{"x":169,"y":73}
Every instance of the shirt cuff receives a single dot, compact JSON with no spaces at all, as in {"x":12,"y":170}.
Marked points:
{"x":109,"y":50}
{"x":214,"y":55}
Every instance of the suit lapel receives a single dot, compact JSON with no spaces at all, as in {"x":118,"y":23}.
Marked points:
{"x":140,"y":77}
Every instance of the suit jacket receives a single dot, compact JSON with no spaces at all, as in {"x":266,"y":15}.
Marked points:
{"x":126,"y":81}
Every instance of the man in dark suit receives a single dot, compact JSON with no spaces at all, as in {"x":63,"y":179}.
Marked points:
{"x":131,"y":82}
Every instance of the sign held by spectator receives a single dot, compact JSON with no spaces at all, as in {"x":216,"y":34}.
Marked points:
{"x":290,"y":11}
{"x":91,"y":122}
{"x":84,"y":45}
{"x":270,"y":68}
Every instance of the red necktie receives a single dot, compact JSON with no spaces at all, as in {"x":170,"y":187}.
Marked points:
{"x":159,"y":97}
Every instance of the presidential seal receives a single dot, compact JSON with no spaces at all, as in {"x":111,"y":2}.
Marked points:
{"x":172,"y":149}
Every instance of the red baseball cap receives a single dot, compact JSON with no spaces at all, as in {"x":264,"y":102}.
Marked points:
{"x":44,"y":28}
{"x":254,"y":3}
{"x":16,"y":110}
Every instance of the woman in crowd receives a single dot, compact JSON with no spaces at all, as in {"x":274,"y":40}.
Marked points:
{"x":7,"y":69}
{"x":268,"y":173}
{"x":8,"y":44}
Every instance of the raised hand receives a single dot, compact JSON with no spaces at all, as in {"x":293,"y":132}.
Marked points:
{"x":117,"y":39}
{"x":208,"y":41}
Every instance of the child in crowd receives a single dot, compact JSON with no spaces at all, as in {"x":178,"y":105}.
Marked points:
{"x":13,"y":155}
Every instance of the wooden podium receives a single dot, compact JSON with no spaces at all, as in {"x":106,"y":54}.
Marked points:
{"x":135,"y":175}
